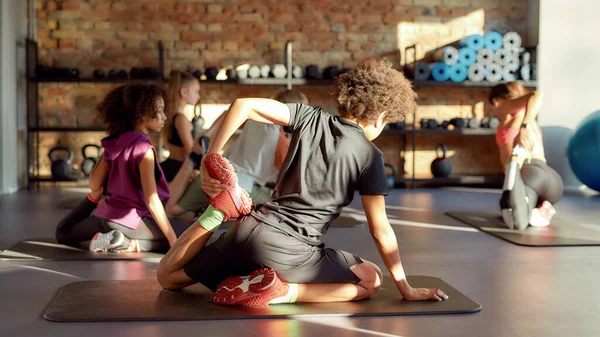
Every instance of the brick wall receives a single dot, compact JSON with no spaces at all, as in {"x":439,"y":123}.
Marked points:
{"x":91,"y":34}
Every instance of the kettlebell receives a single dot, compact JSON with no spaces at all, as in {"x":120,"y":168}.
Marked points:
{"x":441,"y":166}
{"x":60,"y":168}
{"x":197,"y":122}
{"x":89,"y":161}
{"x":391,"y":178}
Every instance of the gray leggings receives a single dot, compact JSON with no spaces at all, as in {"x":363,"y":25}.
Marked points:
{"x":80,"y":226}
{"x":544,"y":180}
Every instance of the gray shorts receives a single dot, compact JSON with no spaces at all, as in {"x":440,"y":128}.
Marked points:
{"x":254,"y":244}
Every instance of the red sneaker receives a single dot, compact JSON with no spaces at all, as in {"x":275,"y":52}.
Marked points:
{"x":234,"y":202}
{"x":255,"y":291}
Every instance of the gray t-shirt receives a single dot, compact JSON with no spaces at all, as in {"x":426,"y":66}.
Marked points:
{"x":328,"y":160}
{"x":253,"y":154}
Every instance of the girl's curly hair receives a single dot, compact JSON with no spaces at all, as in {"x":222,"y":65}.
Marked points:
{"x":126,"y":106}
{"x":374,"y":87}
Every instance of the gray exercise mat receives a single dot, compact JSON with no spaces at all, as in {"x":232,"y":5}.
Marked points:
{"x":144,"y":300}
{"x":343,"y":221}
{"x":49,"y":249}
{"x":559,"y":233}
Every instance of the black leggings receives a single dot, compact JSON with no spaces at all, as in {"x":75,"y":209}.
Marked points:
{"x":80,"y":226}
{"x":544,"y":180}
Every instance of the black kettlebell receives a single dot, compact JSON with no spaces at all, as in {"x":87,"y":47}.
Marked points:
{"x":197,"y":122}
{"x":331,"y":72}
{"x":231,"y":74}
{"x":313,"y":72}
{"x":60,"y":168}
{"x":99,"y":73}
{"x":391,"y":178}
{"x":445,"y":124}
{"x":441,"y":166}
{"x":424,"y":123}
{"x":398,"y":125}
{"x":197,"y":73}
{"x":458,"y":123}
{"x":89,"y":161}
{"x":432,"y":124}
{"x":211,"y":73}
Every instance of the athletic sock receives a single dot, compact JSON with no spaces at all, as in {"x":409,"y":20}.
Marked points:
{"x":211,"y":219}
{"x":290,"y":297}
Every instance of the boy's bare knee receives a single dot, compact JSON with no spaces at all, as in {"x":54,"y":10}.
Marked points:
{"x":370,"y":276}
{"x":162,"y":275}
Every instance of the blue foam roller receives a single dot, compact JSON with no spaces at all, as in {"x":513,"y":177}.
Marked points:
{"x":467,"y":56}
{"x":440,"y":72}
{"x":422,"y":71}
{"x":473,"y":41}
{"x":458,"y":73}
{"x":493,"y":40}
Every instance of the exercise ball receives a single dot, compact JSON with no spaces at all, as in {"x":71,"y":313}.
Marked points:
{"x":584,"y":151}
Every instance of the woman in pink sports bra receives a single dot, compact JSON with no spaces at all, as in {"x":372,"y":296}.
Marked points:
{"x":527,"y":197}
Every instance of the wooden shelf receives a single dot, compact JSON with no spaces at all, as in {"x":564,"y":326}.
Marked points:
{"x":483,"y":84}
{"x":93,"y":80}
{"x":464,"y":131}
{"x":68,"y":129}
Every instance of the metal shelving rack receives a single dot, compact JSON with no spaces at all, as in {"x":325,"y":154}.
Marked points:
{"x":33,"y":117}
{"x":414,"y":131}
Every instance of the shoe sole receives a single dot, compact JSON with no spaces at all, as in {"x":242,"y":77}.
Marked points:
{"x":232,"y":292}
{"x":97,"y":246}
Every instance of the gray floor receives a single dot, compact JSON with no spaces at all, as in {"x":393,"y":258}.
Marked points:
{"x":523,"y":291}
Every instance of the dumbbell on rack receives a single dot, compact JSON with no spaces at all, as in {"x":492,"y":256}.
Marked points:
{"x":490,"y":123}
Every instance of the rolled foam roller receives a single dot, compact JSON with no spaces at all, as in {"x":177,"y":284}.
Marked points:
{"x":485,"y":56}
{"x":476,"y":72}
{"x":512,"y":40}
{"x":493,"y":40}
{"x":473,"y":41}
{"x":467,"y":56}
{"x":458,"y":73}
{"x":440,"y":72}
{"x":493,"y":73}
{"x":447,"y":55}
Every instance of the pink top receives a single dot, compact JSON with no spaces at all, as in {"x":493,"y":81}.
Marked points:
{"x":506,"y":136}
{"x":124,"y":202}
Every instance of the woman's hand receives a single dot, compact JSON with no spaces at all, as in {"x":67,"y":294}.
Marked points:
{"x":526,"y":139}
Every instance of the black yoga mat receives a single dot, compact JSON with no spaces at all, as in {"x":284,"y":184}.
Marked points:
{"x":558,"y":234}
{"x":48,"y":249}
{"x":343,"y":221}
{"x":144,"y":300}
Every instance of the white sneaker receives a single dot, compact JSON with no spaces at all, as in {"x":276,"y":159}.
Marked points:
{"x":113,"y":240}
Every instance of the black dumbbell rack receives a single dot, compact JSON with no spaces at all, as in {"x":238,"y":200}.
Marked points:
{"x":488,"y":180}
{"x":33,"y":116}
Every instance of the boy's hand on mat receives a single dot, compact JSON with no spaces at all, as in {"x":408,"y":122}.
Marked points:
{"x":211,"y":186}
{"x":423,"y":294}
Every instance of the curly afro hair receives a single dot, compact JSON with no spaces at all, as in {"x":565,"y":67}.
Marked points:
{"x":374,"y":87}
{"x":126,"y":106}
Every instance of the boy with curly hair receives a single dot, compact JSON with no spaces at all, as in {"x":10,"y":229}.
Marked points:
{"x":279,"y":245}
